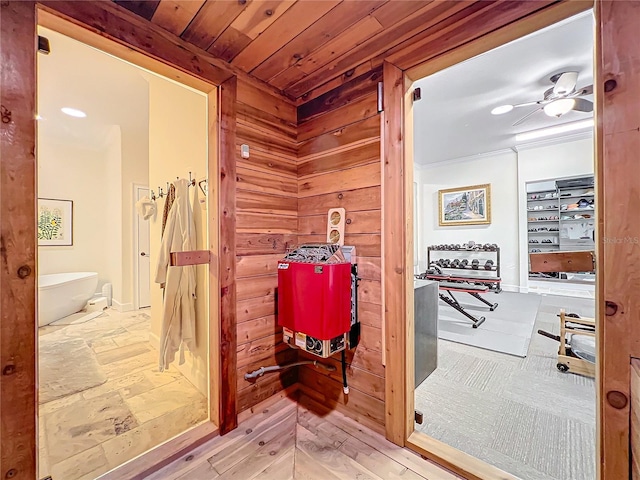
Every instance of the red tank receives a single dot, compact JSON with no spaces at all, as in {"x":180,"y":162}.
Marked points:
{"x":314,"y":298}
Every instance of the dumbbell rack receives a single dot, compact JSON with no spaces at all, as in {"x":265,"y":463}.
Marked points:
{"x":481,"y":276}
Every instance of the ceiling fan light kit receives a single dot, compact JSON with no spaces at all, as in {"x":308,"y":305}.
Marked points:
{"x":557,"y":100}
{"x":557,"y":108}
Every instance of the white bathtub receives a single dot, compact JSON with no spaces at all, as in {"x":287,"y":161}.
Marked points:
{"x":61,"y":294}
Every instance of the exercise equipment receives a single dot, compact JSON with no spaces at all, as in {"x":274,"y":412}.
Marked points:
{"x":577,"y":351}
{"x":448,"y":284}
{"x":469,"y":256}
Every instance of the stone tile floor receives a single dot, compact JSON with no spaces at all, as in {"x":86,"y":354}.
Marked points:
{"x":88,"y":432}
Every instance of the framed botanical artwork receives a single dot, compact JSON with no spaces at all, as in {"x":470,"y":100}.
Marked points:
{"x":55,"y":222}
{"x":465,"y":205}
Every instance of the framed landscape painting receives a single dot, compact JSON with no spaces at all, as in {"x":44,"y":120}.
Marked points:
{"x":55,"y":222}
{"x":465,"y":205}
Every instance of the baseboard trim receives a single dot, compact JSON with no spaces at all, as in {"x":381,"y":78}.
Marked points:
{"x":121,"y":307}
{"x":510,"y":288}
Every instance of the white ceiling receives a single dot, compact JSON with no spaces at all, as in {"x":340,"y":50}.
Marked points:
{"x":453,"y":119}
{"x":108,"y":90}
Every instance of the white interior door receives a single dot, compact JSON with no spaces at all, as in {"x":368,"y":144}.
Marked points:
{"x":143,"y":259}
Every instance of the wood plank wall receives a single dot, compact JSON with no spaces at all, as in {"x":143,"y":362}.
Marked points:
{"x":339,"y":166}
{"x":266,"y":225}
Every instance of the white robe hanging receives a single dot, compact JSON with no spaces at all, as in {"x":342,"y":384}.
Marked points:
{"x":178,"y":313}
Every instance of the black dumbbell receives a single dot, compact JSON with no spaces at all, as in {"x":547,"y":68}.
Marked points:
{"x":488,"y":265}
{"x":457,"y":247}
{"x":455,"y":263}
{"x":446,"y":262}
{"x":494,"y":247}
{"x":474,"y":264}
{"x":463,"y":263}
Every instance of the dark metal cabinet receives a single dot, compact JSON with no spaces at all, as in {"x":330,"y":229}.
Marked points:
{"x":426,"y":328}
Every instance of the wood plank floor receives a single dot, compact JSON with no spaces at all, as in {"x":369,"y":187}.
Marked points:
{"x":300,"y":440}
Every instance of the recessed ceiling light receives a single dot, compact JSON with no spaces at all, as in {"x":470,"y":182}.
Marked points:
{"x":73,"y":112}
{"x":502,"y":109}
{"x":556,"y":130}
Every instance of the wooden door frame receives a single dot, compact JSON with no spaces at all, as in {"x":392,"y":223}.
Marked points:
{"x":397,"y":166}
{"x":112,"y":29}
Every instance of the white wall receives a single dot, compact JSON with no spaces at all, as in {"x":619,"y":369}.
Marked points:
{"x":507,"y":172}
{"x":72,"y":172}
{"x":135,"y":170}
{"x":501,"y":171}
{"x":177,"y":146}
{"x":113,"y":210}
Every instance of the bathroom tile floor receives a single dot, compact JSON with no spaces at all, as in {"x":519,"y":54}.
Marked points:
{"x":125,"y":406}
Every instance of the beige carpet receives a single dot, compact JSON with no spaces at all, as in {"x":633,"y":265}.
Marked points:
{"x":520,"y":414}
{"x":66,"y":366}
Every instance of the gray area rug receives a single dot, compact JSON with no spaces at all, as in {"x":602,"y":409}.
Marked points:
{"x":519,"y":414}
{"x":66,"y":366}
{"x":507,"y":329}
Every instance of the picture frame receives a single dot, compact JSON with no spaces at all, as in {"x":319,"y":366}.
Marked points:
{"x":465,"y":205}
{"x":55,"y":222}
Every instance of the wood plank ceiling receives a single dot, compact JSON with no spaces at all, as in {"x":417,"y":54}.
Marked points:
{"x":300,"y":46}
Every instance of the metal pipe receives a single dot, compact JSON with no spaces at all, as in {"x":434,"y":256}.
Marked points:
{"x":345,"y":387}
{"x":275,"y":368}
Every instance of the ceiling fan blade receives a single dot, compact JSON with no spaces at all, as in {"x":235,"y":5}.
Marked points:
{"x":588,"y":90}
{"x":583,"y":105}
{"x":566,"y":83}
{"x":527,"y":116}
{"x":537,"y":102}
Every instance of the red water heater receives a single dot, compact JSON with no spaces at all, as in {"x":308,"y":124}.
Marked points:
{"x":315,"y":298}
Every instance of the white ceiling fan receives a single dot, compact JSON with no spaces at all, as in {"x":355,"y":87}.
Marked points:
{"x":557,"y":100}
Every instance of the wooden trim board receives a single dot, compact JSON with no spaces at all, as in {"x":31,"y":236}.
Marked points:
{"x":18,"y":249}
{"x":226,"y":375}
{"x":617,"y":86}
{"x":455,"y":460}
{"x":140,"y":467}
{"x":394,"y":259}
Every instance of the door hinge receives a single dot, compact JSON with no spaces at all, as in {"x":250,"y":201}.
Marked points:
{"x":419,"y":417}
{"x":43,"y":45}
{"x":417,"y":94}
{"x":380,"y":97}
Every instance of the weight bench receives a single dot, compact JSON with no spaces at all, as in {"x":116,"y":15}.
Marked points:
{"x":471,"y":289}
